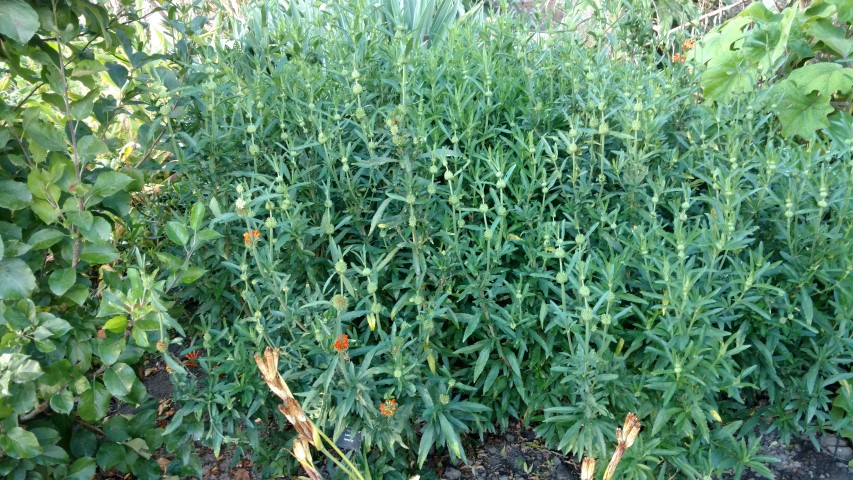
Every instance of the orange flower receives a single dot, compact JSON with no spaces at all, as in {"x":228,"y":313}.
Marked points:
{"x":342,"y":343}
{"x":249,"y":236}
{"x":191,"y":357}
{"x":688,"y":44}
{"x":677,"y":57}
{"x":388,"y":407}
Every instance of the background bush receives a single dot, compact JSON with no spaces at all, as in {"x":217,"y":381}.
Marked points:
{"x":508,"y":226}
{"x":84,"y":107}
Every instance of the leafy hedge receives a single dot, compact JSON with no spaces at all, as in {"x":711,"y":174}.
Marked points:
{"x":83,"y":111}
{"x":509,"y":226}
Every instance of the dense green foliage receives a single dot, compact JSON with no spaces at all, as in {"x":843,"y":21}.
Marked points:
{"x":759,"y":47}
{"x":507,"y":225}
{"x":83,"y":109}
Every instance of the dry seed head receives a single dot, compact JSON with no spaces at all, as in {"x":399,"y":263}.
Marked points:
{"x":630,"y":429}
{"x":587,"y":468}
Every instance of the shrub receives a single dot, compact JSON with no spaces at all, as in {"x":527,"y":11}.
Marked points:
{"x":502,"y":226}
{"x":800,"y":51}
{"x":81,"y":301}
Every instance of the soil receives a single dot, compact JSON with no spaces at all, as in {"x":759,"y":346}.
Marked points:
{"x":518,"y":455}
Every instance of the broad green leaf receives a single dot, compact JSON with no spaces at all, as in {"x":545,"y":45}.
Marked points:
{"x":62,"y":402}
{"x":99,"y":231}
{"x":116,"y":324}
{"x":98,"y":253}
{"x":800,"y":114}
{"x":2,"y":248}
{"x":83,"y":68}
{"x":177,"y":233}
{"x":19,"y":443}
{"x":111,"y":455}
{"x":14,"y":195}
{"x":18,"y":20}
{"x":46,"y":212}
{"x":117,"y":428}
{"x":727,"y":77}
{"x":833,"y":36}
{"x":119,"y":379}
{"x":46,"y":135}
{"x":825,"y":78}
{"x":192,"y":274}
{"x":110,"y":183}
{"x":82,"y":219}
{"x":61,"y":280}
{"x":88,"y":148}
{"x":84,"y":443}
{"x":82,"y":469}
{"x":844,"y":9}
{"x":94,"y":403}
{"x":16,"y":279}
{"x":110,"y":348}
{"x":77,"y":294}
{"x":45,"y":238}
{"x":118,"y":73}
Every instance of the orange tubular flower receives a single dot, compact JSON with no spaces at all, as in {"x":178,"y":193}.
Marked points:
{"x":688,"y":44}
{"x":251,"y":235}
{"x":388,"y":407}
{"x":677,"y":57}
{"x":342,"y":343}
{"x":191,"y":357}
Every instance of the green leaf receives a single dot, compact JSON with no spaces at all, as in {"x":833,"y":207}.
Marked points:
{"x":117,"y":429}
{"x":82,"y":469}
{"x":19,"y":443}
{"x":177,"y":233}
{"x":94,"y":403}
{"x":119,"y":379}
{"x":83,"y":68}
{"x":191,"y":274}
{"x":110,"y":183}
{"x":18,"y":20}
{"x":45,"y":238}
{"x":800,"y":114}
{"x":844,"y":9}
{"x":196,"y":216}
{"x":99,"y":231}
{"x":825,"y":78}
{"x":61,"y":280}
{"x":833,"y":36}
{"x":84,"y":443}
{"x":14,"y":195}
{"x":46,"y":135}
{"x":110,"y":348}
{"x":118,"y":73}
{"x":62,"y":402}
{"x":77,"y":294}
{"x":116,"y":324}
{"x":111,"y":455}
{"x":727,"y":77}
{"x":45,"y":211}
{"x":98,"y":253}
{"x":16,"y":279}
{"x":88,"y":148}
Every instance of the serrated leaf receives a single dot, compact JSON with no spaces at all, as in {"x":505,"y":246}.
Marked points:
{"x":727,"y":77}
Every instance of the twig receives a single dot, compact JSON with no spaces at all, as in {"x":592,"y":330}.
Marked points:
{"x":707,"y":15}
